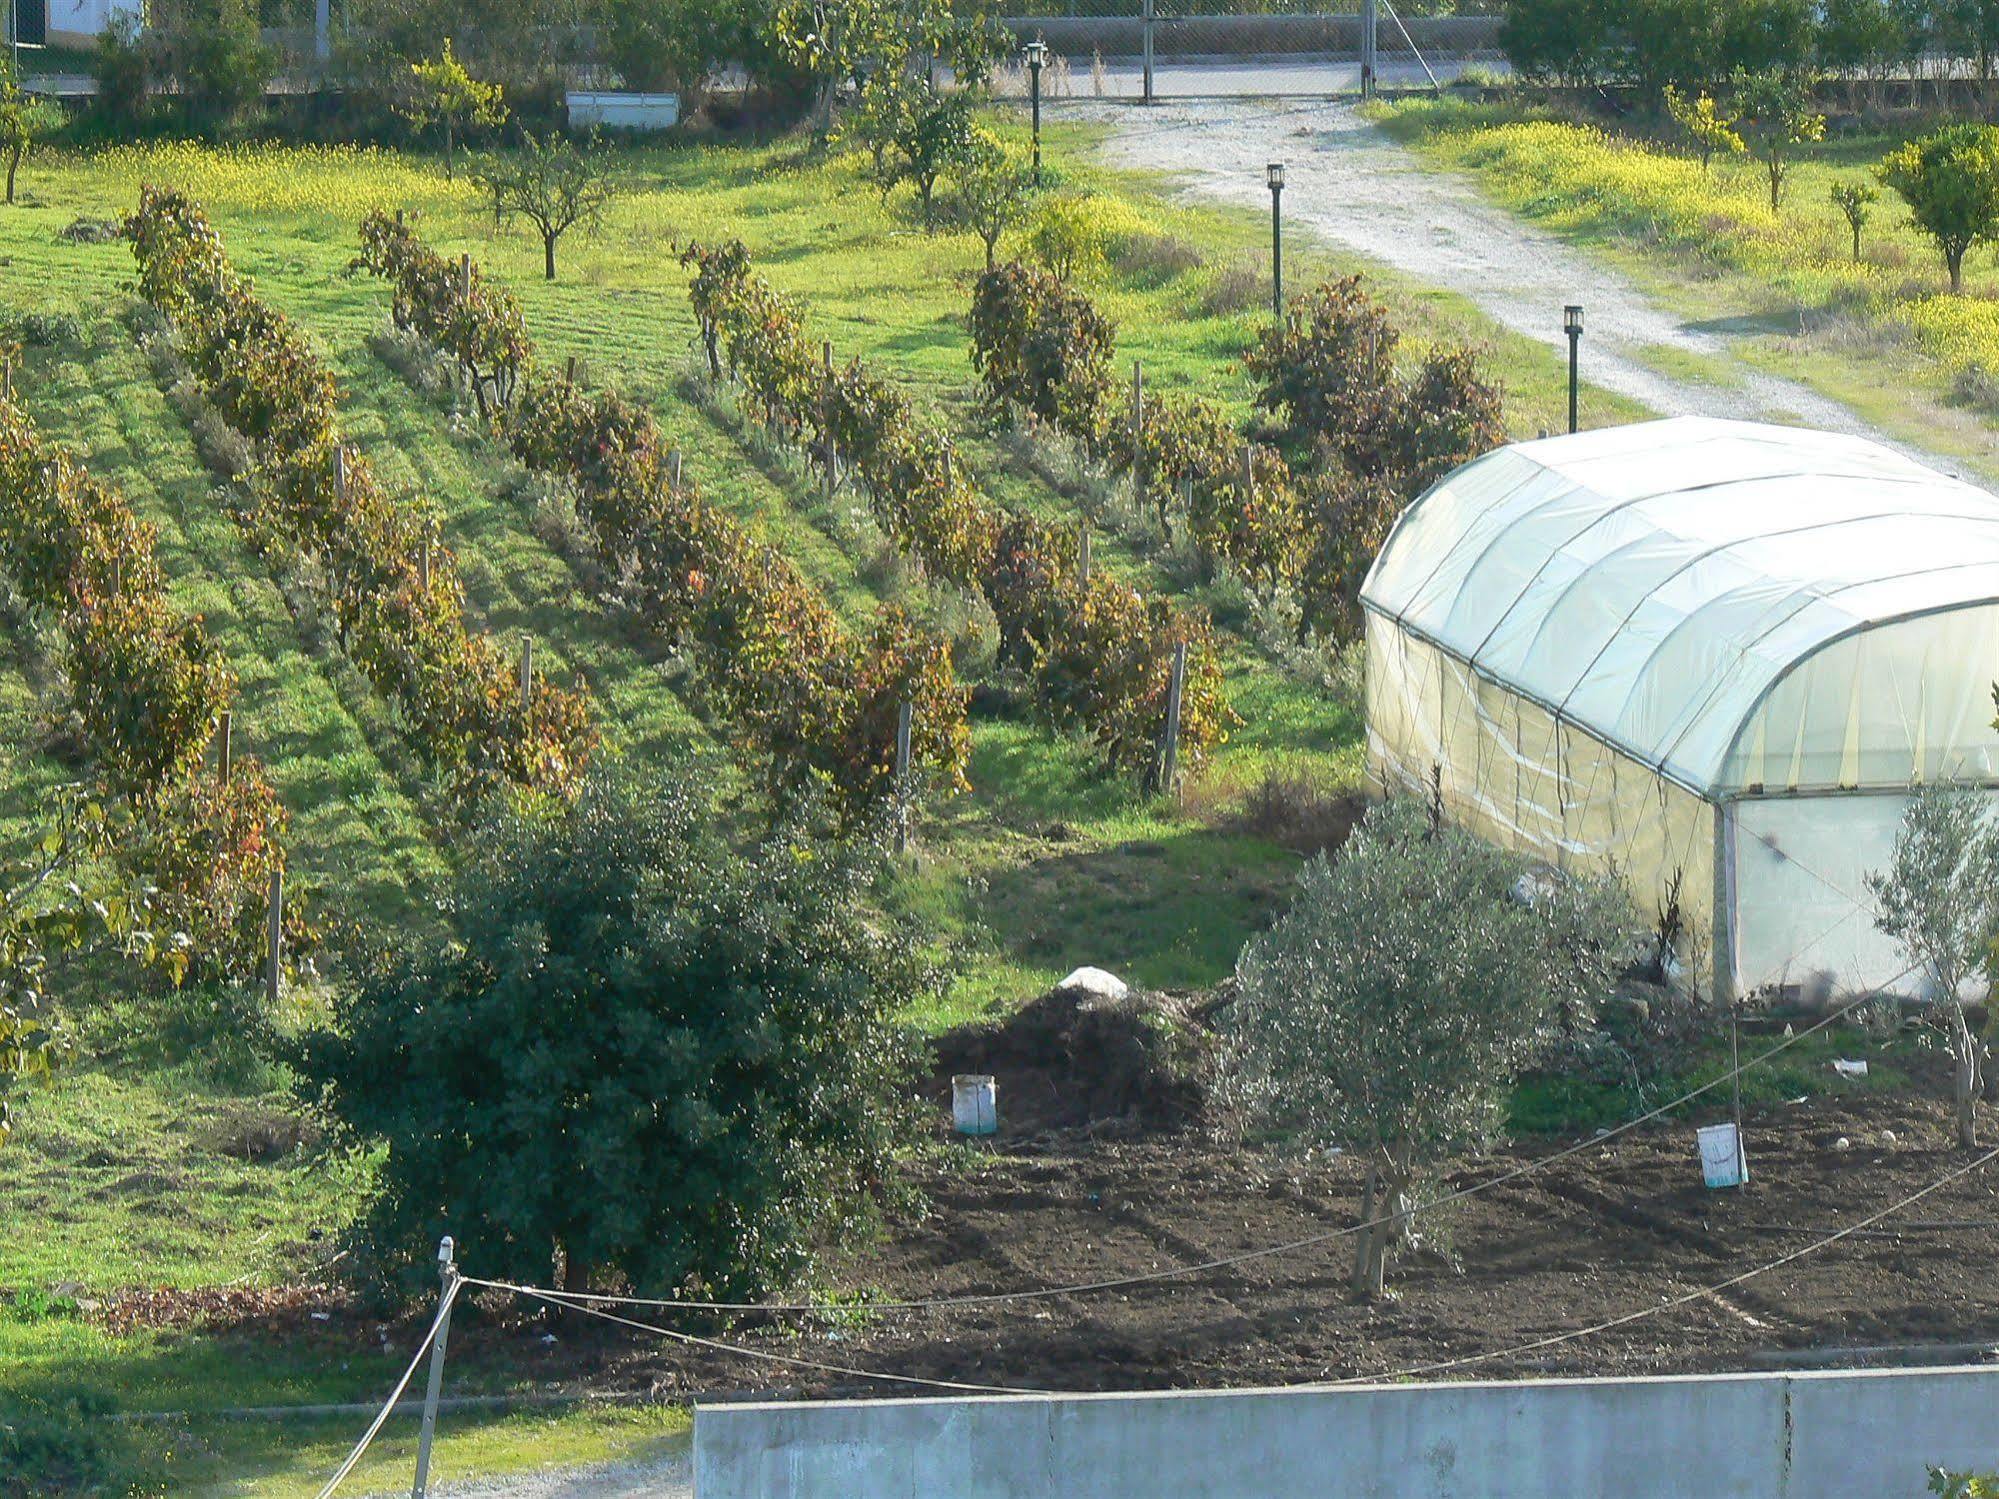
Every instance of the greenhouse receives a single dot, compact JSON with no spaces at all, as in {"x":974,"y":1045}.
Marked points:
{"x":1709,"y":656}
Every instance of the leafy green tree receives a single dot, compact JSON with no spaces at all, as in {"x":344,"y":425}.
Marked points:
{"x":1389,"y":1009}
{"x":1939,"y":899}
{"x":934,"y":136}
{"x":1565,"y":42}
{"x":24,"y":119}
{"x":1706,"y":128}
{"x":647,"y":1053}
{"x":1856,"y":201}
{"x":1778,"y":109}
{"x":213,"y":53}
{"x":994,"y":191}
{"x":1950,"y":180}
{"x":444,"y":93}
{"x":555,"y":185}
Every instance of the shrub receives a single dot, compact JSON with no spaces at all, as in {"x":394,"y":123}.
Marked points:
{"x":647,"y":1054}
{"x":768,"y":650}
{"x":1098,"y":655}
{"x":1387,"y":1011}
{"x":1950,"y":180}
{"x":1044,"y":349}
{"x":393,"y":590}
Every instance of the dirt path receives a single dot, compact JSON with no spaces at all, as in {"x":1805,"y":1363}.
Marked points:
{"x":653,"y":1478}
{"x":1355,"y":186}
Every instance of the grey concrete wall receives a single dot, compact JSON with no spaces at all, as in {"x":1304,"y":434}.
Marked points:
{"x":1840,"y":1435}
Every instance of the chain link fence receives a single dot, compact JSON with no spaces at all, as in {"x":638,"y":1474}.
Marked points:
{"x":1183,"y":49}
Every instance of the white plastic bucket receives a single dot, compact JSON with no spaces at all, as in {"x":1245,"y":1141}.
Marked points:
{"x":1722,"y":1162}
{"x":974,"y":1104}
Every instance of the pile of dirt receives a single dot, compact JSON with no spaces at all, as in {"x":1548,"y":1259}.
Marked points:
{"x":1073,"y":1059}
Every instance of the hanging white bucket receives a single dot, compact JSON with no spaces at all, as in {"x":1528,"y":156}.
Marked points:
{"x":1722,"y":1162}
{"x":974,"y":1104}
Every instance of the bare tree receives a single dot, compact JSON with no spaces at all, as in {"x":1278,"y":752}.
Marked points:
{"x":554,"y":184}
{"x":1939,"y":899}
{"x":1390,"y":1008}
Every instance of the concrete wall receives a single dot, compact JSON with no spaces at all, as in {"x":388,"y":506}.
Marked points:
{"x":1859,"y":1435}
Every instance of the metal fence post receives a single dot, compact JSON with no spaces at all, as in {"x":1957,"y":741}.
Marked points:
{"x":1146,"y":28}
{"x":1369,"y":24}
{"x":277,"y":933}
{"x":447,"y":1276}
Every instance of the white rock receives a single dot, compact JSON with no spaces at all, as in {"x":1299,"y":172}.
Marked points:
{"x":1096,"y":983}
{"x":1842,"y":1143}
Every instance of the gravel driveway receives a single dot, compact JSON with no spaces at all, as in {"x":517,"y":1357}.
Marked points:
{"x":1355,"y":186}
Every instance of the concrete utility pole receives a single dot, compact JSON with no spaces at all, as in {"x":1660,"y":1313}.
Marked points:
{"x":1370,"y":23}
{"x":447,"y":1275}
{"x":322,"y":30}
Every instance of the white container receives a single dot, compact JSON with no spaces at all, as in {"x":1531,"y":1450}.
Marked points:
{"x":1722,"y":1162}
{"x":974,"y":1104}
{"x":617,"y":111}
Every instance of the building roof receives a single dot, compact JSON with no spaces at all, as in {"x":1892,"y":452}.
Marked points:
{"x":1740,"y":606}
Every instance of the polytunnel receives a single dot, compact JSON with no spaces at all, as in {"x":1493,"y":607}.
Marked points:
{"x":1710,"y":656}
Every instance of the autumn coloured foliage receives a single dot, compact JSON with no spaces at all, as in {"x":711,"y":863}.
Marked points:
{"x":820,"y":701}
{"x":1099,"y":655}
{"x":146,"y":687}
{"x":391,"y":586}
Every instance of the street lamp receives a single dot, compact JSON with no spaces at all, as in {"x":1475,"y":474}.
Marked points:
{"x":1275,"y":174}
{"x":1572,"y":324}
{"x":1037,"y":59}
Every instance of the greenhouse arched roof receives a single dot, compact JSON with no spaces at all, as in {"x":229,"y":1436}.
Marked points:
{"x":1699,"y":593}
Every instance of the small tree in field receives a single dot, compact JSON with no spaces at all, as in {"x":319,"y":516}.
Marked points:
{"x":1950,"y":180}
{"x":24,"y":119}
{"x":445,"y":93}
{"x":1389,"y":1009}
{"x":1781,"y":119}
{"x":932,"y":136}
{"x":649,"y":1054}
{"x":994,"y":185}
{"x":1706,"y":128}
{"x":1856,"y":200}
{"x":1939,"y":899}
{"x":554,"y":184}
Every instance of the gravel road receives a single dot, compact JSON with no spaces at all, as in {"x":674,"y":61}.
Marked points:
{"x":1355,"y":186}
{"x":648,"y":1478}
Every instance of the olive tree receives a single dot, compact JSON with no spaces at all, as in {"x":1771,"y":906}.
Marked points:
{"x":1856,"y":201}
{"x":650,"y":1051}
{"x":1706,"y":128}
{"x":1389,"y":1009}
{"x":1950,"y":180}
{"x":1939,"y":899}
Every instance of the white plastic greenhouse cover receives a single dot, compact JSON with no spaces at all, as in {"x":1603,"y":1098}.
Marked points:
{"x":1740,"y":607}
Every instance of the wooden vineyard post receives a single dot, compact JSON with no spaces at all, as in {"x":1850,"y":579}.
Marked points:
{"x":276,"y":934}
{"x":117,"y":574}
{"x":904,"y":720}
{"x":1137,"y":431}
{"x":1176,"y":685}
{"x":527,"y":674}
{"x":465,"y":276}
{"x":223,"y":734}
{"x":831,"y":455}
{"x":423,"y":565}
{"x":6,"y":377}
{"x":1083,"y":555}
{"x":340,"y":473}
{"x":569,"y":370}
{"x":673,"y":470}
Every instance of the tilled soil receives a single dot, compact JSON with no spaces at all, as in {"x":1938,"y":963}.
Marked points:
{"x":1615,"y":1230}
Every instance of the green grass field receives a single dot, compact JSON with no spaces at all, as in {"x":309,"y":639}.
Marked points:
{"x":170,"y":1155}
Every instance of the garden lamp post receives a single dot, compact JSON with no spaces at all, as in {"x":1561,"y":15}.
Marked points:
{"x":1572,"y":324}
{"x":1037,"y":59}
{"x":1275,"y":174}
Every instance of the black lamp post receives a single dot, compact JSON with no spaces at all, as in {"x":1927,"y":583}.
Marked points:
{"x":1037,"y":59}
{"x":1572,"y":324}
{"x":1275,"y":175}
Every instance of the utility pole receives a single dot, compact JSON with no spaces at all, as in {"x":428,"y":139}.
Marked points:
{"x":1370,"y":20}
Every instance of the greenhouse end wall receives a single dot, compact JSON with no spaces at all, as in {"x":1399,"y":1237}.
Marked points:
{"x":1509,"y":771}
